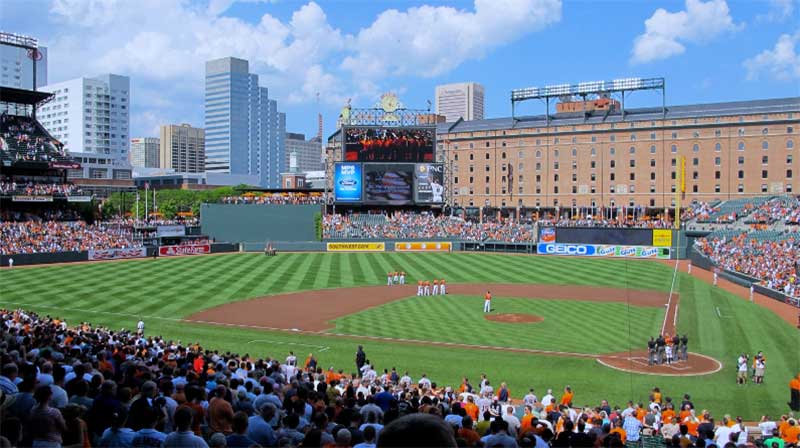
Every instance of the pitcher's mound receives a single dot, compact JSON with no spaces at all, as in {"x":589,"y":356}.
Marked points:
{"x":513,"y":318}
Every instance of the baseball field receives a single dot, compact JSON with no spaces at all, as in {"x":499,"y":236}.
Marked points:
{"x":586,"y":315}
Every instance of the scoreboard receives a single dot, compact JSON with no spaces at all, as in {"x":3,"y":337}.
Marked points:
{"x":389,"y":166}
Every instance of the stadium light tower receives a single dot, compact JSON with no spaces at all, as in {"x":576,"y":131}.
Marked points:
{"x":28,"y":43}
{"x":586,"y":89}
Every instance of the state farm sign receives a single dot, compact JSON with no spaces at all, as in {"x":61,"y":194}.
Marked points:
{"x":196,"y":249}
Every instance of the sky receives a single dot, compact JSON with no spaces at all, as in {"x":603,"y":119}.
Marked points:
{"x":707,"y":50}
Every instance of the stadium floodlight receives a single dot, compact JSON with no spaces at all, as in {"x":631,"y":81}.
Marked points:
{"x":621,"y":85}
{"x":18,"y":40}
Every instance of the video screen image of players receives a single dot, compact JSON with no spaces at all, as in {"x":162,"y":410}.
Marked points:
{"x":411,"y":145}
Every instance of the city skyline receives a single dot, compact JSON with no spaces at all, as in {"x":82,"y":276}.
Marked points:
{"x":708,"y":51}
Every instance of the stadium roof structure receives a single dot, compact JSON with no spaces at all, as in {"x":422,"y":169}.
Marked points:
{"x":776,"y":105}
{"x":22,"y":96}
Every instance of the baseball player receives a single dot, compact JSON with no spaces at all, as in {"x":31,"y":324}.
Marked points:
{"x":419,"y":288}
{"x":487,"y":302}
{"x":427,"y":289}
{"x":402,"y":278}
{"x":689,"y":269}
{"x":752,"y":290}
{"x":715,"y":278}
{"x":441,"y":287}
{"x":435,"y":287}
{"x":389,"y":279}
{"x":396,"y":278}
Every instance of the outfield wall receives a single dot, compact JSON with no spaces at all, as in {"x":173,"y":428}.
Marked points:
{"x":258,"y":223}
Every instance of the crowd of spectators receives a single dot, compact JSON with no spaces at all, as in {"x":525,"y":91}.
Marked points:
{"x":154,"y":222}
{"x":785,"y":209}
{"x":275,"y":198}
{"x":699,"y":210}
{"x":29,"y":237}
{"x":90,"y":386}
{"x":641,"y":222}
{"x":775,"y":262}
{"x":54,"y":214}
{"x":21,"y":139}
{"x":408,"y":225}
{"x":38,"y":189}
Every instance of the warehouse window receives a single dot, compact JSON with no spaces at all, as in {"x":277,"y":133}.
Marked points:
{"x":740,"y":188}
{"x":716,"y":188}
{"x":717,"y":147}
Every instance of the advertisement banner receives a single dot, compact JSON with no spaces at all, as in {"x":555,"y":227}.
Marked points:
{"x":429,"y":183}
{"x":662,"y":237}
{"x":26,"y":198}
{"x":356,"y":247}
{"x":117,"y":254}
{"x":601,"y":250}
{"x":79,"y":198}
{"x":170,"y":231}
{"x":196,"y":249}
{"x":427,"y":246}
{"x":547,"y":235}
{"x":347,"y":182}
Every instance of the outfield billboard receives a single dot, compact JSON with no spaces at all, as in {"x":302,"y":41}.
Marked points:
{"x":356,"y":247}
{"x":348,"y":183}
{"x":117,"y":254}
{"x":603,"y":250}
{"x":422,"y":246}
{"x":194,"y":249}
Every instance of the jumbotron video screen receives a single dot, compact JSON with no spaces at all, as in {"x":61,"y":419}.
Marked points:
{"x":388,"y":183}
{"x":382,"y":144}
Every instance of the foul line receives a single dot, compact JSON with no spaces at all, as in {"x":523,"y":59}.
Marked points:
{"x":669,"y":301}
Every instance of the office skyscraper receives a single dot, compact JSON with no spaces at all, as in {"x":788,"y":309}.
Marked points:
{"x":244,"y":131}
{"x":144,"y":152}
{"x":462,"y":100}
{"x":183,"y":148}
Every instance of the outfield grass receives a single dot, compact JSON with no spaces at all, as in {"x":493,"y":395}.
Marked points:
{"x":117,"y":293}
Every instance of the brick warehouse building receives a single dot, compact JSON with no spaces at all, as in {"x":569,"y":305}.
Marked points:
{"x":598,"y":159}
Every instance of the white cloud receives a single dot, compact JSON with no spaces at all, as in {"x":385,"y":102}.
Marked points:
{"x":163,"y":46}
{"x":779,"y":10}
{"x":428,"y":41}
{"x":666,"y":33}
{"x":782,"y":62}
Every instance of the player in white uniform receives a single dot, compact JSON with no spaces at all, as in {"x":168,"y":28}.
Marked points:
{"x":442,"y":290}
{"x":420,"y":288}
{"x":427,"y":288}
{"x":396,"y":278}
{"x":436,"y":287}
{"x":402,"y":278}
{"x":715,"y":278}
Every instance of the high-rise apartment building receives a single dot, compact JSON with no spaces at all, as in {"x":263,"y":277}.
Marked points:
{"x":16,"y":62}
{"x":144,"y":152}
{"x":462,"y":100}
{"x":308,"y":152}
{"x":244,"y":131}
{"x":183,"y":148}
{"x":90,"y":115}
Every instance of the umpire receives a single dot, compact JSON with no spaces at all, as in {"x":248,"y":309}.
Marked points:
{"x":660,"y":344}
{"x":651,"y":351}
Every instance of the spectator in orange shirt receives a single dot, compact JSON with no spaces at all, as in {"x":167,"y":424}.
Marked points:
{"x":566,"y":399}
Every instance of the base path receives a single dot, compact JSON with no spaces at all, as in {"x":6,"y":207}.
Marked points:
{"x":311,"y":313}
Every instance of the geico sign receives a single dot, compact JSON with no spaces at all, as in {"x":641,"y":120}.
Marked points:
{"x":566,"y":249}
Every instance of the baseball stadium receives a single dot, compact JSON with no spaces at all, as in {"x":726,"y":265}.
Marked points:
{"x":668,"y":296}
